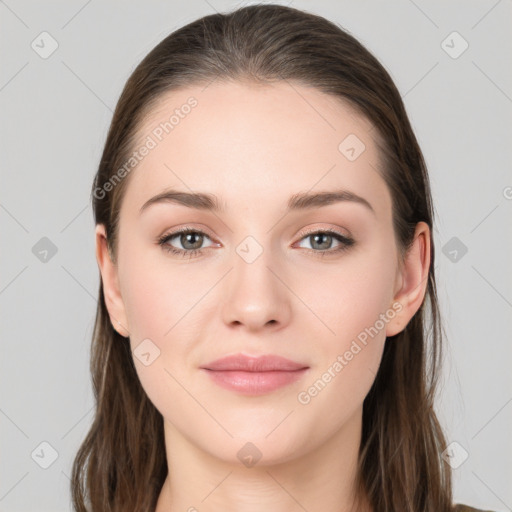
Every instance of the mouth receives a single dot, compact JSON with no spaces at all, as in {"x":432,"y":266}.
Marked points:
{"x":254,"y":375}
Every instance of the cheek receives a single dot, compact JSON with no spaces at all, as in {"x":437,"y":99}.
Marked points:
{"x":352,"y":303}
{"x":349,"y":297}
{"x":155,"y":295}
{"x":164,"y":305}
{"x":157,"y":301}
{"x":351,"y":306}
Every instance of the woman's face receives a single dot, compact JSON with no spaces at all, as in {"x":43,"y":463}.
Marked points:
{"x":262,"y":283}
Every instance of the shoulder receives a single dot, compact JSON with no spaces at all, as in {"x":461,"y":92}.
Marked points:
{"x":459,"y":507}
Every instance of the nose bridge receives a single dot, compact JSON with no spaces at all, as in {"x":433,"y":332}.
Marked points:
{"x":254,"y":297}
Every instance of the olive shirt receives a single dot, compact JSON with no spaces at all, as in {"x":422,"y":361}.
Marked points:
{"x":466,"y":508}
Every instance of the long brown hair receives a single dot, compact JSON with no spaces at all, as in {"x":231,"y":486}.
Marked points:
{"x":121,"y":464}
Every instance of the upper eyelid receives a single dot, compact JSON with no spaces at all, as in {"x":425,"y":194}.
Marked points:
{"x":333,"y":231}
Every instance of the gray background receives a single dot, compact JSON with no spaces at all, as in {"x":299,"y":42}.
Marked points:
{"x":55,"y":115}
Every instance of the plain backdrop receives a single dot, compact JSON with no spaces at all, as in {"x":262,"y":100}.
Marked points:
{"x":55,"y":112}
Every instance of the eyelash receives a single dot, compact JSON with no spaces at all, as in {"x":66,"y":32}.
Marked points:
{"x":345,"y":242}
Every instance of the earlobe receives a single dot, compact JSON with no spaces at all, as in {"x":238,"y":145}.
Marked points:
{"x":412,"y":280}
{"x":109,"y":277}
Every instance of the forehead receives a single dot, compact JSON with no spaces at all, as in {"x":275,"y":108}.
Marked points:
{"x":245,"y":141}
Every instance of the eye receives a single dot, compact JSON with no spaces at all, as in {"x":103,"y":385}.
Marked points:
{"x":323,"y":239}
{"x":190,"y":239}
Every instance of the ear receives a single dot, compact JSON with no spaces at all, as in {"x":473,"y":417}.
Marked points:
{"x":109,"y":277}
{"x":412,"y":280}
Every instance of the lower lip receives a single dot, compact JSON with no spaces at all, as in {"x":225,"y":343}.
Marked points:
{"x":255,"y":383}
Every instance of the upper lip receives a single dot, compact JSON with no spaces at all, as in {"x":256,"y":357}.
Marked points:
{"x":265,"y":363}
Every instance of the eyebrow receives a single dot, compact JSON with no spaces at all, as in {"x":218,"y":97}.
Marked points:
{"x":299,"y":201}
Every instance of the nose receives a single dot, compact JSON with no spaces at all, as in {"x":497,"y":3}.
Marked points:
{"x":255,"y":296}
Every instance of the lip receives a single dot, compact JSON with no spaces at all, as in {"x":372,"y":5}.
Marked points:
{"x":245,"y":363}
{"x":250,"y":375}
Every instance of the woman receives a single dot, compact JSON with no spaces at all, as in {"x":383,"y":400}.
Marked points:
{"x":264,"y":237}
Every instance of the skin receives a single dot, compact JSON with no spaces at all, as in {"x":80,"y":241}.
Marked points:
{"x":254,"y":147}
